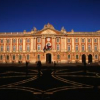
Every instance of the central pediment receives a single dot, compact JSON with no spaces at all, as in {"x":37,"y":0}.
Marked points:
{"x":48,"y":31}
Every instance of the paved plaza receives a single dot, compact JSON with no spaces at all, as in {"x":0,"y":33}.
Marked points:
{"x":62,"y":82}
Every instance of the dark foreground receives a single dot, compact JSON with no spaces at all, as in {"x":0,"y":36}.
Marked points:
{"x":54,"y":83}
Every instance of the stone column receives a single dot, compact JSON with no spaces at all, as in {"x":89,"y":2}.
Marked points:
{"x":86,"y":45}
{"x":11,"y":45}
{"x":24,"y":45}
{"x":4,"y":45}
{"x":34,"y":44}
{"x":31,"y":46}
{"x":62,"y":44}
{"x":17,"y":45}
{"x":53,"y":44}
{"x":43,"y":43}
{"x":80,"y":45}
{"x":72,"y":47}
{"x":92,"y":45}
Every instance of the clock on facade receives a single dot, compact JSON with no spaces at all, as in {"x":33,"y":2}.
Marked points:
{"x":48,"y":39}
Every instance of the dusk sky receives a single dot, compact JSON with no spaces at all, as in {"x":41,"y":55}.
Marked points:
{"x":19,"y":15}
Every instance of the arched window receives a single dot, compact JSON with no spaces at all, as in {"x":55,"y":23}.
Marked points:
{"x":58,"y":57}
{"x":7,"y":57}
{"x":20,"y":57}
{"x":13,"y":57}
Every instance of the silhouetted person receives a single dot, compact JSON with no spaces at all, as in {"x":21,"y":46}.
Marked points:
{"x":26,"y":68}
{"x":39,"y":67}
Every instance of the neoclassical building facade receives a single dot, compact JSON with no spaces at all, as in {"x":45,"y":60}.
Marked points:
{"x":49,"y":45}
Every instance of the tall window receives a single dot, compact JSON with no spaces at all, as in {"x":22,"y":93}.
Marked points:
{"x":38,"y":40}
{"x":1,"y":57}
{"x":28,"y":47}
{"x":76,"y":40}
{"x":95,"y":40}
{"x":20,"y":40}
{"x":96,"y":56}
{"x":38,"y":57}
{"x":58,"y":39}
{"x":68,"y":40}
{"x":95,"y":48}
{"x":83,"y":48}
{"x":1,"y":40}
{"x":8,"y":49}
{"x":13,"y":57}
{"x":58,"y":47}
{"x":89,"y":47}
{"x":20,"y":47}
{"x":68,"y":47}
{"x":89,"y":40}
{"x":7,"y":57}
{"x":14,"y":41}
{"x":1,"y":48}
{"x":8,"y":40}
{"x":76,"y":56}
{"x":28,"y":40}
{"x":58,"y":57}
{"x":20,"y":57}
{"x":28,"y":57}
{"x":39,"y":47}
{"x":14,"y":48}
{"x":76,"y":48}
{"x":83,"y":40}
{"x":68,"y":56}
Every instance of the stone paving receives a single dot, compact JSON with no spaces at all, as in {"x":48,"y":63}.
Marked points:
{"x":66,"y":82}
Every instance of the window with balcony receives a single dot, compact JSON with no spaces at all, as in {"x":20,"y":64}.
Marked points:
{"x":20,"y":40}
{"x":58,"y":40}
{"x":8,"y":41}
{"x":96,"y":56}
{"x":89,"y":40}
{"x":7,"y":57}
{"x":14,"y":40}
{"x":38,"y":47}
{"x":83,"y":40}
{"x":28,"y":40}
{"x":76,"y":40}
{"x":95,"y":40}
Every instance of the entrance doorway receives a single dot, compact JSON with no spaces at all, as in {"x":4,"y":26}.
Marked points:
{"x":89,"y":58}
{"x":83,"y":58}
{"x":48,"y":58}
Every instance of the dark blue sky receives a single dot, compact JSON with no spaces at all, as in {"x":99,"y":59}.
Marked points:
{"x":19,"y":15}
